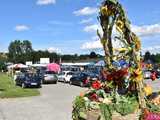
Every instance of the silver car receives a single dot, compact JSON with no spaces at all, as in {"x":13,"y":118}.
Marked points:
{"x":50,"y":77}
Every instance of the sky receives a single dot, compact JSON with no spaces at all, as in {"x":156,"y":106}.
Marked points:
{"x":69,"y":26}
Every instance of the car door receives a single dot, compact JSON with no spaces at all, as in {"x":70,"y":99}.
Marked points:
{"x":81,"y":78}
{"x":68,"y":76}
{"x":75,"y":79}
{"x":21,"y":79}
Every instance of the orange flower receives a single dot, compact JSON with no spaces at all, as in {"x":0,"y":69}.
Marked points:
{"x":82,"y":94}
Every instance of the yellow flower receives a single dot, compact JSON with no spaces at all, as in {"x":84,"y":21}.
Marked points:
{"x":138,"y":75}
{"x":104,"y":10}
{"x":120,"y":49}
{"x":148,"y":90}
{"x":137,"y":42}
{"x":138,"y":45}
{"x":139,"y":78}
{"x":138,"y":71}
{"x":119,"y":25}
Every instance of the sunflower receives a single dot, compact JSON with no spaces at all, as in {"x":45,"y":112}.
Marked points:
{"x":119,"y":25}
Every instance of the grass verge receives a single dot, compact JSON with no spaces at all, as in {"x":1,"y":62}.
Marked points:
{"x":9,"y":90}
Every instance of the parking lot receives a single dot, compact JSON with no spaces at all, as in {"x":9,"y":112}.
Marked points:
{"x":55,"y":103}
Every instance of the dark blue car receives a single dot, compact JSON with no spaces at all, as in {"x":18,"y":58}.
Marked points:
{"x":28,"y":80}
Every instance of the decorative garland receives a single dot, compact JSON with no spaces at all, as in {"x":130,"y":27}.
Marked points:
{"x":123,"y":90}
{"x":112,"y":14}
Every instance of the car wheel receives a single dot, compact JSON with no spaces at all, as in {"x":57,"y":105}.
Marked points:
{"x":43,"y":82}
{"x":23,"y":85}
{"x":40,"y":86}
{"x":55,"y":82}
{"x":81,"y":84}
{"x":70,"y":82}
{"x":65,"y":81}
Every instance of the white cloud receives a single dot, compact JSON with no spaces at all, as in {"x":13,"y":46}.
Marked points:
{"x":92,"y":45}
{"x":147,"y":30}
{"x":96,"y":44}
{"x":153,"y":49}
{"x":20,"y":28}
{"x":46,"y":2}
{"x":91,"y":28}
{"x":53,"y":49}
{"x":86,"y":11}
{"x":55,"y":22}
{"x":85,"y":21}
{"x":143,"y":31}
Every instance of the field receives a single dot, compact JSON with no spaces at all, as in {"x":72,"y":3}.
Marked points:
{"x":9,"y":90}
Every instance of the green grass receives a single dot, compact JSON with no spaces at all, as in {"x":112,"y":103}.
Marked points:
{"x":9,"y":90}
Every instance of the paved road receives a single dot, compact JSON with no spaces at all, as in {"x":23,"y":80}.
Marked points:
{"x":55,"y":103}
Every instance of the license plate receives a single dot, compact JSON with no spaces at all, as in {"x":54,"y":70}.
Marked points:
{"x":33,"y":83}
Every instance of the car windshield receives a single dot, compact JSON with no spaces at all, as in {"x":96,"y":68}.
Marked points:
{"x":70,"y":73}
{"x":62,"y":73}
{"x":50,"y":72}
{"x":30,"y":75}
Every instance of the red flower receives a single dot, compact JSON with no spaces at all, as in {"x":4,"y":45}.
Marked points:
{"x":117,"y":75}
{"x":109,"y":77}
{"x":93,"y":97}
{"x":96,"y":85}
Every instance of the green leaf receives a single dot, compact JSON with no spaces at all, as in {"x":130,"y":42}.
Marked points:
{"x":83,"y":115}
{"x":113,"y":1}
{"x":106,"y":111}
{"x":126,"y":105}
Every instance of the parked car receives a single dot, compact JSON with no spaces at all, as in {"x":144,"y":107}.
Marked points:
{"x":50,"y":77}
{"x":83,"y":79}
{"x":65,"y":76}
{"x":28,"y":80}
{"x":157,"y":71}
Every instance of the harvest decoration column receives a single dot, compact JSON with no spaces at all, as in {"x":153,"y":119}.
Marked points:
{"x":113,"y":15}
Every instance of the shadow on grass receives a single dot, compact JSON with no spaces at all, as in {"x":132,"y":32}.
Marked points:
{"x":1,"y":90}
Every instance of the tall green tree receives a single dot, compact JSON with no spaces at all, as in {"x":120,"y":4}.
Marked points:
{"x":147,"y":56}
{"x":93,"y":55}
{"x":20,"y":51}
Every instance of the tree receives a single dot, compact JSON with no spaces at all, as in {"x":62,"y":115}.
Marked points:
{"x":19,"y":51}
{"x":3,"y":57}
{"x":2,"y":66}
{"x":147,"y":56}
{"x":93,"y":55}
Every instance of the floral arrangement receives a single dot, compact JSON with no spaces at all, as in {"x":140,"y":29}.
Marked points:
{"x":123,"y":90}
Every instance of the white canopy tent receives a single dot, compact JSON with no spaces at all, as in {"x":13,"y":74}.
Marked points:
{"x":17,"y":66}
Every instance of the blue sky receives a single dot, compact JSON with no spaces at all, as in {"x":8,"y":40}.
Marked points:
{"x":68,"y":26}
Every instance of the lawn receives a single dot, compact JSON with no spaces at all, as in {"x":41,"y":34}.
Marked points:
{"x":9,"y":90}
